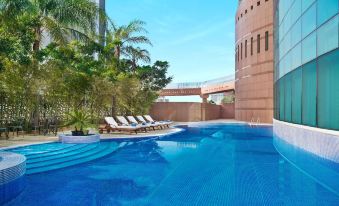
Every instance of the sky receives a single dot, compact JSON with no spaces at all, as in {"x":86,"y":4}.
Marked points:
{"x":195,"y":36}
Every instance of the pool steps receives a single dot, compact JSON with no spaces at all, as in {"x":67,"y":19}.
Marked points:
{"x":61,"y":155}
{"x":55,"y":152}
{"x":68,"y":156}
{"x":32,"y":150}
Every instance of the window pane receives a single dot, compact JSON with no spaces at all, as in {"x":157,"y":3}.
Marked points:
{"x":296,"y":57}
{"x":309,"y":86}
{"x":328,"y":91}
{"x":327,"y":36}
{"x":276,"y":101}
{"x":288,"y":98}
{"x":295,"y":11}
{"x":326,"y":9}
{"x":258,"y":43}
{"x":282,"y":99}
{"x":305,"y":4}
{"x":309,"y":21}
{"x":296,"y":95}
{"x":245,"y":48}
{"x":241,"y":51}
{"x":266,"y":40}
{"x":309,"y":50}
{"x":296,"y":33}
{"x":251,"y":45}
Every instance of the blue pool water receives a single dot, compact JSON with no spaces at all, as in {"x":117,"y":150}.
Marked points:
{"x":206,"y":165}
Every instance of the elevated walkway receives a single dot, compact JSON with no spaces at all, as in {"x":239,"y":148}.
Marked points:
{"x":202,"y":89}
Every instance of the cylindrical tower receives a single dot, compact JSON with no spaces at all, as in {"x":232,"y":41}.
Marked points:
{"x":254,"y":54}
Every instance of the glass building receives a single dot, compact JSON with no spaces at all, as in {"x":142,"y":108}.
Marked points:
{"x":306,"y":77}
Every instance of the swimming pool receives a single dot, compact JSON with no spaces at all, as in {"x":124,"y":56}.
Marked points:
{"x":213,"y":164}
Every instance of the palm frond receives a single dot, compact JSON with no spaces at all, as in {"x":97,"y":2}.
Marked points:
{"x":138,"y":40}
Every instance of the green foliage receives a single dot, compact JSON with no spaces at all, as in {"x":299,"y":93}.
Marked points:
{"x":154,"y":77}
{"x":228,"y":99}
{"x":80,"y":120}
{"x":131,"y":98}
{"x":73,"y":72}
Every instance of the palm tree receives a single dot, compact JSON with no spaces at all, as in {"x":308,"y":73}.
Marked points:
{"x":121,"y":37}
{"x":61,"y":20}
{"x":136,"y":55}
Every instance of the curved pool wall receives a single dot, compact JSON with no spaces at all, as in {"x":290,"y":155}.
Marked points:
{"x":321,"y":142}
{"x":12,"y":171}
{"x":69,"y":139}
{"x":321,"y":170}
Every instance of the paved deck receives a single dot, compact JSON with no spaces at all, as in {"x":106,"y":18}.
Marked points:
{"x":29,"y":139}
{"x":37,"y":139}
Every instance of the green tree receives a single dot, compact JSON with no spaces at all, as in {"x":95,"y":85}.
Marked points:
{"x":119,"y":38}
{"x":58,"y":19}
{"x":228,"y":99}
{"x":154,"y":77}
{"x":137,"y":54}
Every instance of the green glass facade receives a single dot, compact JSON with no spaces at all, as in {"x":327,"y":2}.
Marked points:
{"x":307,"y":62}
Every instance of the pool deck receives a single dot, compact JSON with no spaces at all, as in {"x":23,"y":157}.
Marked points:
{"x":29,"y":139}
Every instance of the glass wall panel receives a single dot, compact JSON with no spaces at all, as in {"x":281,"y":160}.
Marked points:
{"x":276,"y":101}
{"x":288,"y":97}
{"x":325,"y":10}
{"x":282,"y":99}
{"x":305,"y":4}
{"x":309,"y":48}
{"x":309,"y":21}
{"x":296,"y":57}
{"x":309,"y":96}
{"x":328,"y":91}
{"x":295,"y":11}
{"x":296,"y":33}
{"x":296,"y":95}
{"x":327,"y":36}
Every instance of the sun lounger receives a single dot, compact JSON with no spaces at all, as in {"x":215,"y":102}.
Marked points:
{"x":114,"y":126}
{"x":150,"y":119}
{"x":124,"y":122}
{"x":133,"y":120}
{"x":157,"y":124}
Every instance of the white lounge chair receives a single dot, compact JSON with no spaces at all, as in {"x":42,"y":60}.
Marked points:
{"x":133,"y":120}
{"x":142,"y":120}
{"x":150,"y":119}
{"x":114,"y":126}
{"x":124,"y":122}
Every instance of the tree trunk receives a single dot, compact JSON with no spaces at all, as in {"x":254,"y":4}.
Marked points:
{"x":37,"y":41}
{"x":117,"y":52}
{"x":113,"y":111}
{"x":134,"y":65}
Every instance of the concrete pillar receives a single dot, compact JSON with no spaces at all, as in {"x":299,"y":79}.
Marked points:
{"x":204,"y":106}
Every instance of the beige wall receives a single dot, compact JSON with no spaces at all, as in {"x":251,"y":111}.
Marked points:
{"x":176,"y":111}
{"x":191,"y":111}
{"x":212,"y":111}
{"x":227,"y":111}
{"x":254,"y":73}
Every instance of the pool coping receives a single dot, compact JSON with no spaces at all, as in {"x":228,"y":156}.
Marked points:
{"x":173,"y":130}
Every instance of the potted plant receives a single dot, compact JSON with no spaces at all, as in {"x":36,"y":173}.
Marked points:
{"x":81,"y":121}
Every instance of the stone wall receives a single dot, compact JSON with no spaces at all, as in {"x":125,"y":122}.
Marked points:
{"x":191,"y":111}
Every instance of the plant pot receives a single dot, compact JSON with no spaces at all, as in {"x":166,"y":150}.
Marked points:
{"x":77,"y":133}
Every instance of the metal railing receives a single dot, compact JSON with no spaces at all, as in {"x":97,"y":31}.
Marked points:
{"x":191,"y":85}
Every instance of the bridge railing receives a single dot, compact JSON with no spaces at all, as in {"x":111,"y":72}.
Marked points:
{"x":218,"y":81}
{"x":191,"y":85}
